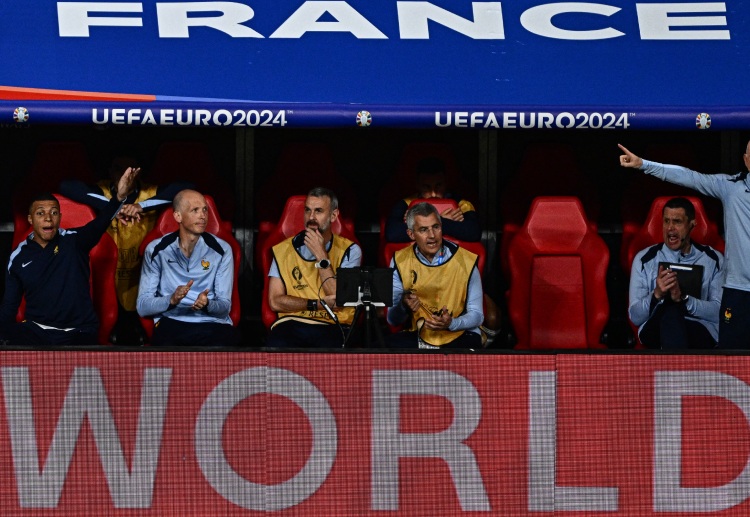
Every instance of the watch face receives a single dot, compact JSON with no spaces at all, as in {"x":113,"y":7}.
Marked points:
{"x":323,"y":264}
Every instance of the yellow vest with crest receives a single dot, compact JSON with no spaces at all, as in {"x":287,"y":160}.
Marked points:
{"x":436,"y":286}
{"x":301,"y":278}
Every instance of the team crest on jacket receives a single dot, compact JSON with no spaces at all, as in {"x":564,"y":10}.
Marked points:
{"x":57,"y":248}
{"x":206,"y":264}
{"x":413,"y":277}
{"x":297,"y":275}
{"x":727,"y":315}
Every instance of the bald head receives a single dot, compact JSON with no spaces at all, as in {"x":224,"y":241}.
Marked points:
{"x":180,"y":199}
{"x":190,"y":211}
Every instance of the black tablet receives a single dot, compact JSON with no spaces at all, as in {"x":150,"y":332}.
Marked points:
{"x":689,"y":276}
{"x":356,"y":285}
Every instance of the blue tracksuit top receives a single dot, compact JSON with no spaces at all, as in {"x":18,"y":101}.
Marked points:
{"x":165,"y":268}
{"x":734,"y":193}
{"x":55,"y":279}
{"x":643,"y":282}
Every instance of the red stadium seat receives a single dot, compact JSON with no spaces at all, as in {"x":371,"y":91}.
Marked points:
{"x":102,"y":260}
{"x":53,"y":163}
{"x":547,"y":169}
{"x":222,"y":229}
{"x":441,"y":204}
{"x":301,"y":166}
{"x":386,"y":250}
{"x":705,"y":232}
{"x":403,"y":181}
{"x":292,"y":222}
{"x":477,"y":248}
{"x":642,"y":189}
{"x":558,"y":295}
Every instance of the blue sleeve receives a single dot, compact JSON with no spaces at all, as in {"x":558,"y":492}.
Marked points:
{"x":474,"y":313}
{"x":395,"y":227}
{"x":714,"y":185}
{"x":80,"y":192}
{"x":151,"y":301}
{"x":708,"y":308}
{"x":353,"y":258}
{"x":164,"y":195}
{"x":640,"y":292}
{"x":273,"y":271}
{"x":221,"y":302}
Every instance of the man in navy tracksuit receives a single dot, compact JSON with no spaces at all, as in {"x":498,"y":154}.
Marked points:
{"x":51,"y":270}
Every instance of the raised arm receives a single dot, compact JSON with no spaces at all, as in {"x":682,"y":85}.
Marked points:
{"x":81,"y":192}
{"x":629,"y":159}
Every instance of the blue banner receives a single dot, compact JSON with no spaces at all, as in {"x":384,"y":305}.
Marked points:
{"x":516,"y":65}
{"x":249,"y":114}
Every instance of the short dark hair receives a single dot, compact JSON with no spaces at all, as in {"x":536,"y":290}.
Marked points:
{"x":422,"y":209}
{"x":325,"y":192}
{"x":681,"y":202}
{"x":43,"y":196}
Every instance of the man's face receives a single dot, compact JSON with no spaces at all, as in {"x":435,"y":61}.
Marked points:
{"x":44,"y":220}
{"x":746,"y":156}
{"x":428,"y":234}
{"x":431,"y":185}
{"x":193,"y":213}
{"x":676,"y":229}
{"x":318,"y":213}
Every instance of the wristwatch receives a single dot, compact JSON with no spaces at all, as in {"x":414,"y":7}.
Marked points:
{"x":684,"y":298}
{"x":323,"y":264}
{"x":312,"y":305}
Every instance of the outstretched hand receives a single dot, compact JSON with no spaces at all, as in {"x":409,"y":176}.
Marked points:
{"x":127,"y":182}
{"x":130,"y":213}
{"x":180,"y":293}
{"x":201,"y":301}
{"x":629,"y":159}
{"x":454,"y":214}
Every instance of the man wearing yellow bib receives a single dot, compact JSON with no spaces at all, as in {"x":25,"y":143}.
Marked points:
{"x":134,"y":220}
{"x":302,"y":279}
{"x":437,"y":290}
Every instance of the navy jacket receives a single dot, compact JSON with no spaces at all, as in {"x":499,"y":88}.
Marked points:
{"x":55,"y":279}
